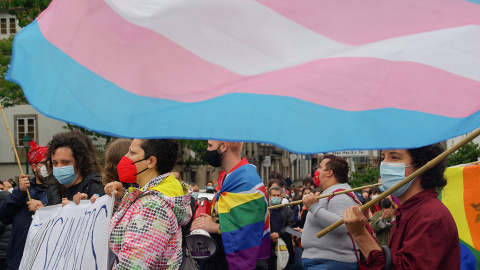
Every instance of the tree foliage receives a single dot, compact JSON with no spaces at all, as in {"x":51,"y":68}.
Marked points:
{"x":25,"y":10}
{"x":92,"y":134}
{"x":198,"y":148}
{"x":466,"y":154}
{"x":10,"y":93}
{"x":364,"y":177}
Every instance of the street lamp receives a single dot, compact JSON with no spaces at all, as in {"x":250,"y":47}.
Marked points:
{"x":26,"y":141}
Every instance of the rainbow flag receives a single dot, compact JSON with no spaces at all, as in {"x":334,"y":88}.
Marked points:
{"x":267,"y":68}
{"x":244,"y":221}
{"x":462,"y":197}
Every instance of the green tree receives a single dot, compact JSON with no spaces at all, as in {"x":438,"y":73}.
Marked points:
{"x":25,"y":10}
{"x":198,"y":147}
{"x":466,"y":154}
{"x":364,"y":177}
{"x":95,"y":137}
{"x":10,"y":93}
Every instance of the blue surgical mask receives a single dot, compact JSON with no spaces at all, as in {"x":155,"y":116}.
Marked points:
{"x":64,"y":175}
{"x":195,"y":195}
{"x":391,"y":174}
{"x":209,"y":188}
{"x":275,"y":200}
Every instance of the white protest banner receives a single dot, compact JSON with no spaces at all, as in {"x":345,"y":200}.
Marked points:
{"x":69,"y":237}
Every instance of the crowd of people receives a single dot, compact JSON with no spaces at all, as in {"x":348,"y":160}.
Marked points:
{"x":154,"y":209}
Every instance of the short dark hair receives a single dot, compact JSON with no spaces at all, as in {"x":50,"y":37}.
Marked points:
{"x":210,"y":182}
{"x":339,"y":167}
{"x":374,"y":191}
{"x":273,"y":188}
{"x":276,"y":175}
{"x":433,"y":178}
{"x":83,"y":150}
{"x":308,"y":181}
{"x":278,"y":182}
{"x":164,"y":150}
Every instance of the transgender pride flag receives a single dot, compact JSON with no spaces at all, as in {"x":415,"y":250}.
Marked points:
{"x":310,"y":76}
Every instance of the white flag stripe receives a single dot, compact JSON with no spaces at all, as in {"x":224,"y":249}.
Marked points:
{"x":264,"y":41}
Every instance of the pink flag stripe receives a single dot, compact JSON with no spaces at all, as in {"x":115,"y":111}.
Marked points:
{"x":351,"y":22}
{"x":250,"y":39}
{"x":370,"y":83}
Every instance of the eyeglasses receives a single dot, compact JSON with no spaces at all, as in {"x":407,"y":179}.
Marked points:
{"x":42,"y":163}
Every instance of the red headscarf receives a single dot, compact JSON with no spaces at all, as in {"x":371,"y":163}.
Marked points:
{"x":37,"y":153}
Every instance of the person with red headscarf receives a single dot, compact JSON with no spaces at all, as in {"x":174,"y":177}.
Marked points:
{"x":17,"y":209}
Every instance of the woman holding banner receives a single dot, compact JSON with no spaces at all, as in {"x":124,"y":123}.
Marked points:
{"x":145,"y":229}
{"x":425,"y":235}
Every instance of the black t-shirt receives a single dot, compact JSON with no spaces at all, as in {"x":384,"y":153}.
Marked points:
{"x":90,"y":185}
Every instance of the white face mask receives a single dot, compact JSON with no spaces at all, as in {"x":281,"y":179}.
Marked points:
{"x":43,"y":171}
{"x":374,"y":196}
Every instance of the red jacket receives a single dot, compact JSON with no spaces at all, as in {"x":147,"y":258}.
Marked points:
{"x":424,"y":237}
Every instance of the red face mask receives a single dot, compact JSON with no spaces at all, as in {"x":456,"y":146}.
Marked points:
{"x":127,"y":170}
{"x":316,"y":178}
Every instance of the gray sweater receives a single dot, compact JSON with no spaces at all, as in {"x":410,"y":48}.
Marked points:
{"x":335,"y":245}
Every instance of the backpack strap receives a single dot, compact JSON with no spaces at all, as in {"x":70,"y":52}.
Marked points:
{"x":367,"y":225}
{"x":355,"y":250}
{"x":348,"y":193}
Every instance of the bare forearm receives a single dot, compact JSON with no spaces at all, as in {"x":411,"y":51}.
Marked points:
{"x":366,"y":243}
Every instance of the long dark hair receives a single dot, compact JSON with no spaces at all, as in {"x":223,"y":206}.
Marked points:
{"x":113,"y":154}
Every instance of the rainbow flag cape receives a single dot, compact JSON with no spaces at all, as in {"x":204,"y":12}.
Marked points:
{"x":462,"y":197}
{"x":270,"y":68}
{"x":244,"y":224}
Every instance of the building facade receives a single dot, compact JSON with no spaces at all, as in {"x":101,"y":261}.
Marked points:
{"x":23,"y":120}
{"x":8,"y":25}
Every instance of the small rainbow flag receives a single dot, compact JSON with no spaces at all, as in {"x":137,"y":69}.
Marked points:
{"x":462,"y":197}
{"x":243,"y":214}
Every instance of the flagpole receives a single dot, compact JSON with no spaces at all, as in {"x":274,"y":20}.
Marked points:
{"x":407,"y":179}
{"x":14,"y":148}
{"x":324,"y":196}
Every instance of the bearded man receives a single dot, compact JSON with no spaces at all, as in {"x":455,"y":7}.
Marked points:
{"x":17,"y":209}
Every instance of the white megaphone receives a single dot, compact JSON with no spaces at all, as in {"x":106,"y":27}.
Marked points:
{"x":199,"y":242}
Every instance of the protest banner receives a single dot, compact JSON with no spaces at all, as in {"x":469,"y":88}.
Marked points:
{"x":69,"y":237}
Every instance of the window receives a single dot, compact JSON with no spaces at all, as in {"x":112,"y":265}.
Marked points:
{"x":8,"y":25}
{"x":13,"y":26}
{"x":25,"y":124}
{"x":3,"y":26}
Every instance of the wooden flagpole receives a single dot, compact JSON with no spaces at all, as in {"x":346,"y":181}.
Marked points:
{"x":407,"y":179}
{"x":14,"y":148}
{"x":324,"y":196}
